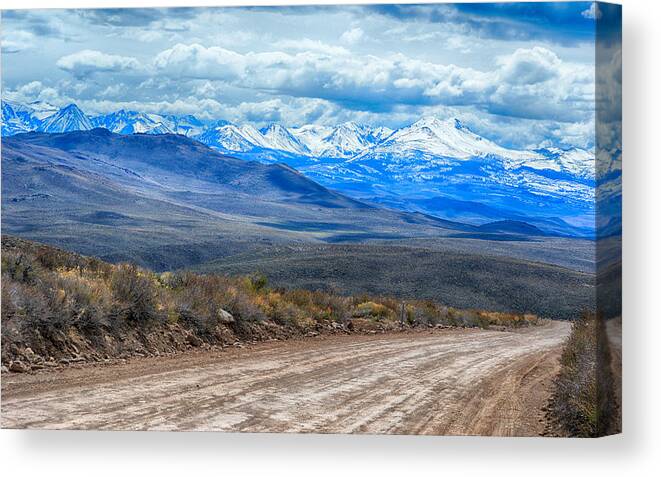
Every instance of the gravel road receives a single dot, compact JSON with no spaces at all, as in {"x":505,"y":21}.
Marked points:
{"x":449,"y":382}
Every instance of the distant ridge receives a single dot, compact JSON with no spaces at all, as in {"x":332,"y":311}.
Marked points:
{"x":512,"y":226}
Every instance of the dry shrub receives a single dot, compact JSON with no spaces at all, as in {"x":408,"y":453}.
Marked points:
{"x":583,"y":402}
{"x":196,"y":301}
{"x":18,"y":266}
{"x":134,"y":293}
{"x":510,"y":320}
{"x":371,"y":309}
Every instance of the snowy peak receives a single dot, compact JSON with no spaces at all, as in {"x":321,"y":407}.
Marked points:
{"x":42,"y":116}
{"x":131,"y":122}
{"x":69,"y":118}
{"x":574,"y":161}
{"x":312,"y":137}
{"x":347,"y":140}
{"x":231,"y":138}
{"x":253,"y":135}
{"x":41,"y":109}
{"x":187,"y":125}
{"x":18,"y":118}
{"x":445,"y":138}
{"x":381,"y":133}
{"x":246,"y":138}
{"x":12,"y":123}
{"x":279,"y":137}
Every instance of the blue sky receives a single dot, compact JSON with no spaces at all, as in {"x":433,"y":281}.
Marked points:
{"x":522,"y":74}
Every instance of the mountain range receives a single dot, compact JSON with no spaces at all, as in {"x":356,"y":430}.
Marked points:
{"x":421,"y":167}
{"x":139,"y":197}
{"x":169,"y":202}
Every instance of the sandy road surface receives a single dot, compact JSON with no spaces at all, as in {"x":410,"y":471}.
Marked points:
{"x":445,"y":382}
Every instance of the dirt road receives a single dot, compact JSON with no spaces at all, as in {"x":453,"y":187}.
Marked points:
{"x":446,"y":382}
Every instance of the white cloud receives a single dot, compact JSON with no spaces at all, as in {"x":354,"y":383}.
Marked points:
{"x":352,"y":36}
{"x":197,"y":61}
{"x":529,"y":66}
{"x":15,"y":41}
{"x":306,"y":44}
{"x":460,"y":43}
{"x":593,"y":12}
{"x":532,"y":83}
{"x":36,"y":91}
{"x":148,"y":36}
{"x":87,"y":62}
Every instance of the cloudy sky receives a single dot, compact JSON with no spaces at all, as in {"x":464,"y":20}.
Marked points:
{"x":521,"y":74}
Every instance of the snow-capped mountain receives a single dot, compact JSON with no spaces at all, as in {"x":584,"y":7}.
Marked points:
{"x":433,"y":137}
{"x":435,"y":158}
{"x":12,"y":123}
{"x":40,"y":110}
{"x":313,"y":141}
{"x":41,"y":116}
{"x":187,"y":125}
{"x":381,"y":133}
{"x":280,"y":138}
{"x":232,"y":138}
{"x":18,"y":118}
{"x":574,"y":161}
{"x":69,"y":118}
{"x":347,"y":140}
{"x":131,"y":122}
{"x":312,"y":136}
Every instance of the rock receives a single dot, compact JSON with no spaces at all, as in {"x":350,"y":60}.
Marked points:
{"x":29,"y":354}
{"x":225,"y":317}
{"x":19,"y":367}
{"x":5,"y":369}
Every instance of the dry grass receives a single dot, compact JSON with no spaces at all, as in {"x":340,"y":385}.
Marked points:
{"x":583,"y":403}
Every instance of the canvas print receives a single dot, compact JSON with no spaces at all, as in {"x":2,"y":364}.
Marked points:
{"x":370,"y":219}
